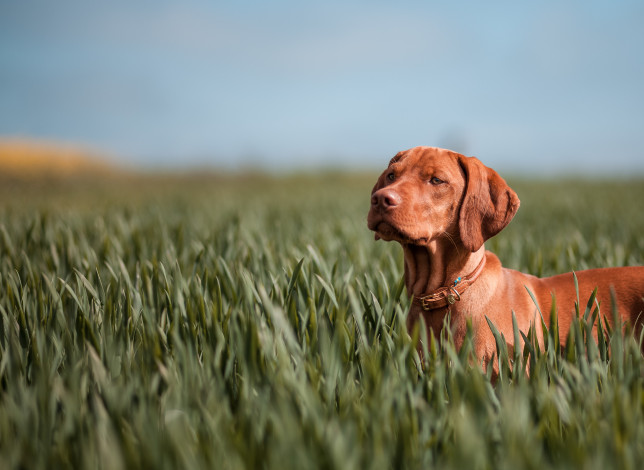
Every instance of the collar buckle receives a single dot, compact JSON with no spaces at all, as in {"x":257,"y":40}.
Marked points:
{"x":449,"y":295}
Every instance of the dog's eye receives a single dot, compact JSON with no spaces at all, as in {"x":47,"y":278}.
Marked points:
{"x":436,"y":180}
{"x":391,"y":176}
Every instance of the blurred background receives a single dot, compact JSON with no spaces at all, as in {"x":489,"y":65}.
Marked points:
{"x":554,"y":87}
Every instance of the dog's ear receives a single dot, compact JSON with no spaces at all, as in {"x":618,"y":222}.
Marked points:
{"x":488,"y":206}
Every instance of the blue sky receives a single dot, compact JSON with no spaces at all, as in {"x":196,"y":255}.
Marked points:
{"x":525,"y":86}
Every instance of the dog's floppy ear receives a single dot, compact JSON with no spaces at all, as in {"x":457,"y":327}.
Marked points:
{"x":488,"y":206}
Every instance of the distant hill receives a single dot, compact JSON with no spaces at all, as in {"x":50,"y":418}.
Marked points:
{"x":36,"y":159}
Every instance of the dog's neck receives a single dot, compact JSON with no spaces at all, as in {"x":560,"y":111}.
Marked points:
{"x":437,"y":264}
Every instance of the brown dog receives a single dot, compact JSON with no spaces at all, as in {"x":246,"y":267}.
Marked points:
{"x":441,"y":207}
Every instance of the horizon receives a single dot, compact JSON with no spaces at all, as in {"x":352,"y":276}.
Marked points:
{"x":27,"y":159}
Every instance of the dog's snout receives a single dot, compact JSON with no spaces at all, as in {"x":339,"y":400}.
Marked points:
{"x":385,"y":198}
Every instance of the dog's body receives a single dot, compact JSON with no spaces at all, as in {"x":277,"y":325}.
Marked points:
{"x":441,"y":207}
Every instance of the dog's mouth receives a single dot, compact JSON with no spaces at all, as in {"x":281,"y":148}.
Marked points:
{"x":388,"y":232}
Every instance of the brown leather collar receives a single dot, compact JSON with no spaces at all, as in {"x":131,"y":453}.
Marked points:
{"x":449,"y":295}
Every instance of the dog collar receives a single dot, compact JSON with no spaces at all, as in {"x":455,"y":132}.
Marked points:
{"x":451,"y":294}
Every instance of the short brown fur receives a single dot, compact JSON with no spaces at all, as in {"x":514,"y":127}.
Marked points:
{"x":441,"y":207}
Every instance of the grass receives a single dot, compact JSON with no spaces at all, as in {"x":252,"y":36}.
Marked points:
{"x":252,"y":322}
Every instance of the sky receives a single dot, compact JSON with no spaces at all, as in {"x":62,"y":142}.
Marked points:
{"x":531,"y":87}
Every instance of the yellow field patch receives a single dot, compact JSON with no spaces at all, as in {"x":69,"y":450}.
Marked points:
{"x":26,"y":159}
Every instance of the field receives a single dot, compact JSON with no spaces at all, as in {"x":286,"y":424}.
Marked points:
{"x":247,"y":321}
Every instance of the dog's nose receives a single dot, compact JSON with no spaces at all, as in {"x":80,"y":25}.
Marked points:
{"x":385,"y":198}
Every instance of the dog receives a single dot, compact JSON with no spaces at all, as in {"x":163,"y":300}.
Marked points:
{"x":441,"y":207}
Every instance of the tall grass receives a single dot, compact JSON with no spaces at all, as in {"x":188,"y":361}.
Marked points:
{"x":253,"y":323}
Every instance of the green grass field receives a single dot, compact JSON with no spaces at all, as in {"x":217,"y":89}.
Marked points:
{"x":252,"y":322}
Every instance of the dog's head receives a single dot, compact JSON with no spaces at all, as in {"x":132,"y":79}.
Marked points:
{"x":428,"y":193}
